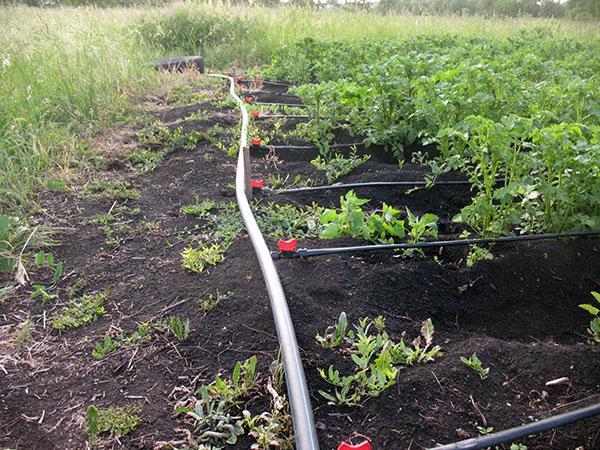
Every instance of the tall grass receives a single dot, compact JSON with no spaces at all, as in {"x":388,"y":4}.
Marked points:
{"x":61,"y":72}
{"x":245,"y":35}
{"x":64,"y":72}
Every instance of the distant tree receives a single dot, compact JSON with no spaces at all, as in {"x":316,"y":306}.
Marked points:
{"x":583,"y":9}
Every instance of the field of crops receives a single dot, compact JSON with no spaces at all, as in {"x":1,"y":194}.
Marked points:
{"x":428,"y":190}
{"x":525,"y":109}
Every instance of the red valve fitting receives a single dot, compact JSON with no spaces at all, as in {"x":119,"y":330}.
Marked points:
{"x":255,"y":114}
{"x":288,"y":246}
{"x":256,"y":142}
{"x":258,"y":184}
{"x":248,"y":99}
{"x":366,"y":445}
{"x":239,"y":79}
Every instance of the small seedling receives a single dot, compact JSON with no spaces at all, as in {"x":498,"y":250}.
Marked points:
{"x":199,"y":210}
{"x":213,"y":300}
{"x":41,"y":291}
{"x":91,"y":420}
{"x":179,"y":328}
{"x":594,"y":329}
{"x":474,"y":363}
{"x":338,"y":165}
{"x":102,"y":349}
{"x":23,"y":336}
{"x":196,"y":259}
{"x":477,"y":253}
{"x":334,"y":336}
{"x":76,"y":314}
{"x":484,"y":430}
{"x":108,"y":345}
{"x":118,"y":421}
{"x":111,"y":190}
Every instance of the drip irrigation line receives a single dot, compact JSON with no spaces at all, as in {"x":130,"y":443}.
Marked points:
{"x":371,"y":184}
{"x":304,"y":252}
{"x":290,"y":105}
{"x":309,"y":147}
{"x":513,"y":434}
{"x":269,"y":83}
{"x":282,"y":116}
{"x":299,"y":399}
{"x":263,"y":92}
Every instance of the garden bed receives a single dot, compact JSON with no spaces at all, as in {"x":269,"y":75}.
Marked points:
{"x":518,"y":312}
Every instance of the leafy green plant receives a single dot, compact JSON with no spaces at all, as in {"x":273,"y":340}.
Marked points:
{"x":339,"y":165}
{"x":179,"y":328}
{"x":196,"y":259}
{"x":594,"y":329}
{"x":272,"y":428}
{"x":40,"y":290}
{"x":118,"y":421}
{"x":108,"y":345}
{"x":23,"y":336}
{"x":111,"y":190}
{"x":76,"y":314}
{"x":244,"y":379}
{"x":381,"y":227}
{"x":212,"y":300}
{"x":474,"y":363}
{"x":283,"y":221}
{"x":477,"y":253}
{"x":218,"y":232}
{"x":377,"y":358}
{"x":335,"y":335}
{"x":201,"y":209}
{"x":420,"y":228}
{"x":104,"y":348}
{"x":43,"y":259}
{"x":91,"y":420}
{"x":215,"y":424}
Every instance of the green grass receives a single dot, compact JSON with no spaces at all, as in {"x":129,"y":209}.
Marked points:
{"x":65,"y":73}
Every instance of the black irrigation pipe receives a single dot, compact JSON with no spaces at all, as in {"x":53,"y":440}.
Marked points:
{"x":275,"y":94}
{"x":370,"y":184}
{"x":305,"y":253}
{"x":300,"y":406}
{"x":269,"y":83}
{"x":282,"y":116}
{"x":512,"y":434}
{"x":308,"y":147}
{"x":290,"y":105}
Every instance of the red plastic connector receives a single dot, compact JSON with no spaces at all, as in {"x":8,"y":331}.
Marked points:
{"x":239,"y":79}
{"x":256,"y":142}
{"x":258,"y":184}
{"x":288,"y":246}
{"x":366,"y":445}
{"x":255,"y":114}
{"x":248,"y":99}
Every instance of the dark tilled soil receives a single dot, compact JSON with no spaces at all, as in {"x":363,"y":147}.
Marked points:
{"x":518,"y":312}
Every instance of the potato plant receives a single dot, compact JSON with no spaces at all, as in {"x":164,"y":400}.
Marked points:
{"x":518,"y":116}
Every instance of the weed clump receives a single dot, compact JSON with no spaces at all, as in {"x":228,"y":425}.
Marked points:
{"x":76,"y":314}
{"x":111,"y":190}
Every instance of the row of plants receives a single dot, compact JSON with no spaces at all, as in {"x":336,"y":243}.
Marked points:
{"x":519,"y":116}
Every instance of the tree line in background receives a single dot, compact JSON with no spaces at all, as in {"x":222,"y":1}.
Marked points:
{"x":573,"y":9}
